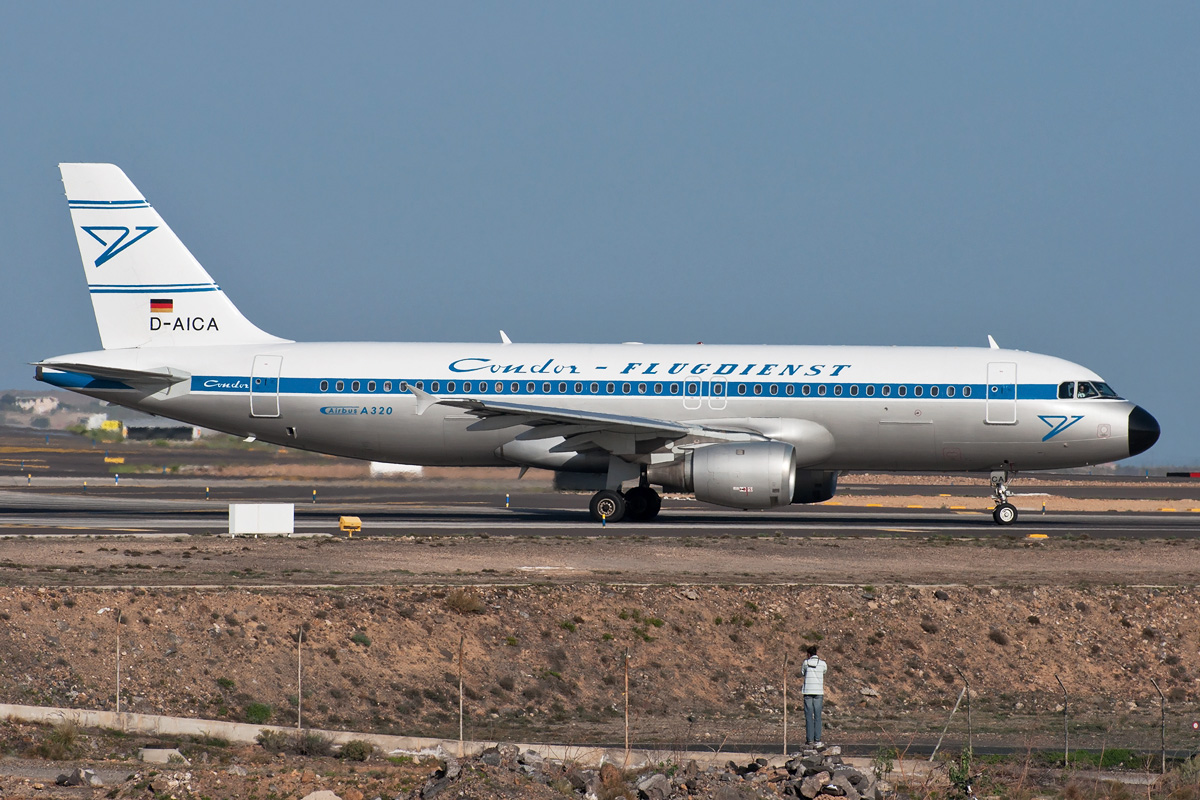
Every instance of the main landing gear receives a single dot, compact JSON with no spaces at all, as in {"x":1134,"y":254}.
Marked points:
{"x":639,"y":504}
{"x":1005,"y":513}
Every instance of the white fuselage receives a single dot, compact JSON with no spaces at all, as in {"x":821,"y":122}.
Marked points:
{"x":899,"y":408}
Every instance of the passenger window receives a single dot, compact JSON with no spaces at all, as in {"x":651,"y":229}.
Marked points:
{"x":340,"y":386}
{"x":1066,"y":390}
{"x":562,"y":388}
{"x":466,"y":386}
{"x":806,"y":390}
{"x":370,"y":386}
{"x":499,"y":387}
{"x":404,"y":386}
{"x":531,"y":387}
{"x":791,"y":390}
{"x":674,"y":388}
{"x":837,"y":390}
{"x":933,"y":391}
{"x":918,"y":391}
{"x":579,"y":388}
{"x":718,"y":388}
{"x":966,"y":391}
{"x":658,"y":388}
{"x":420,"y":385}
{"x":324,"y":386}
{"x":595,"y":388}
{"x":870,"y":391}
{"x":387,"y":386}
{"x":774,"y":388}
{"x":355,"y":385}
{"x":758,"y":388}
{"x":641,"y":388}
{"x":741,"y":388}
{"x":514,"y":387}
{"x":546,"y":388}
{"x":821,"y":390}
{"x":609,"y":388}
{"x":693,"y":388}
{"x":949,"y":391}
{"x":902,"y":391}
{"x":624,"y":388}
{"x":854,"y":390}
{"x":887,"y":391}
{"x":433,"y":387}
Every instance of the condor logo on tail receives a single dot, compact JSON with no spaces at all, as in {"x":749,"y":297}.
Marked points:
{"x":118,"y":243}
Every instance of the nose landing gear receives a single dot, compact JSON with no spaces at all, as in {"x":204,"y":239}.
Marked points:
{"x":1005,"y":513}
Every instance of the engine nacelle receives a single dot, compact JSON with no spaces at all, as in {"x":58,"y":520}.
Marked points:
{"x":814,"y":485}
{"x":738,"y":475}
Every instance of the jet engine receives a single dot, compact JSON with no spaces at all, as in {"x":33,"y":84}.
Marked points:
{"x":738,"y":475}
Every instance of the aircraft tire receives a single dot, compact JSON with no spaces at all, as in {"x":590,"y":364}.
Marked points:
{"x":1005,"y":514}
{"x":607,"y":506}
{"x":642,"y":504}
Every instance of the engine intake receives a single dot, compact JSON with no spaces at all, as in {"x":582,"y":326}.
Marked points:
{"x":737,"y":475}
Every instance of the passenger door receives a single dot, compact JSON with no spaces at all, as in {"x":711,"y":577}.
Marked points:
{"x":264,"y":386}
{"x":1001,"y":392}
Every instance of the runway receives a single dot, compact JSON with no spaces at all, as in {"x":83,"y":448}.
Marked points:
{"x":172,"y":508}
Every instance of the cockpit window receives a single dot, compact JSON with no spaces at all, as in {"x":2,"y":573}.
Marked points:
{"x":1085,"y":389}
{"x":1066,"y":391}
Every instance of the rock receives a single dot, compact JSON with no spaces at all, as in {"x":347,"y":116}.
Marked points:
{"x":941,"y":595}
{"x":79,"y":776}
{"x":691,"y":595}
{"x":855,"y":777}
{"x":237,"y":770}
{"x":161,"y":755}
{"x":811,"y":786}
{"x":323,"y":794}
{"x":508,"y":752}
{"x":577,"y":778}
{"x":833,"y":751}
{"x":867,"y":691}
{"x":491,"y":757}
{"x":531,"y":759}
{"x":308,"y":776}
{"x":453,"y":769}
{"x":353,"y":794}
{"x":841,"y":787}
{"x":654,"y":787}
{"x":434,"y":788}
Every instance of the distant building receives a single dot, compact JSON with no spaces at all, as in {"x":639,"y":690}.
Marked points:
{"x":37,"y":405}
{"x":96,"y":422}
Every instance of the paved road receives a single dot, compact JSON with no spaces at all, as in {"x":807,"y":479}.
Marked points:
{"x":168,"y":508}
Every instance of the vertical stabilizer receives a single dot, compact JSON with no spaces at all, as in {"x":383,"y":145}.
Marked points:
{"x":147,"y":289}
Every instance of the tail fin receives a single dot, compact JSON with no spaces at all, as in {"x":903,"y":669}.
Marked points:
{"x":147,"y":289}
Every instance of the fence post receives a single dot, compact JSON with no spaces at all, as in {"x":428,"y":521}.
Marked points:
{"x":461,"y":749}
{"x":785,"y":709}
{"x":1066,"y":741}
{"x":299,"y":684}
{"x":1162,"y":727}
{"x":626,"y":765}
{"x":968,"y":684}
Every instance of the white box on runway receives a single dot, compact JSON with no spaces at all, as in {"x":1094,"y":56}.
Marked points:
{"x":263,"y":519}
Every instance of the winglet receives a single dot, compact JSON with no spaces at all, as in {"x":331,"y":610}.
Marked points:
{"x":504,"y":338}
{"x":992,"y":343}
{"x":424,"y":399}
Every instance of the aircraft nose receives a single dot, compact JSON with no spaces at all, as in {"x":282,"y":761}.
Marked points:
{"x":1143,"y":430}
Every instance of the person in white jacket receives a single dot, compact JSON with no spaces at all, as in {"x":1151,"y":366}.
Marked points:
{"x":813,"y":672}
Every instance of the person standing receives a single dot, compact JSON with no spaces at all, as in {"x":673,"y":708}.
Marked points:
{"x":813,"y":672}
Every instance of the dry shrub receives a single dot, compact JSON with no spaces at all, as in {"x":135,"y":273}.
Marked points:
{"x":463,"y":602}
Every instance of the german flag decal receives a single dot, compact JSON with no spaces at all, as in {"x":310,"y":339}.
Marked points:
{"x":159,"y":306}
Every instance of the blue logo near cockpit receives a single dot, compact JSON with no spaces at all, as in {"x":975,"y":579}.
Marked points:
{"x":1058,"y":423}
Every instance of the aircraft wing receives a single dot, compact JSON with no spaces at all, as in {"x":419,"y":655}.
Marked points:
{"x":618,"y":434}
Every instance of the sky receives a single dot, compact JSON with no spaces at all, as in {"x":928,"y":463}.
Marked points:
{"x":784,"y":173}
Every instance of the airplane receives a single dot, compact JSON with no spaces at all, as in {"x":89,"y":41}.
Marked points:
{"x":745,"y":427}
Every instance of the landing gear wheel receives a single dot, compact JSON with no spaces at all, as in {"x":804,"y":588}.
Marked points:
{"x":642,"y":503}
{"x":607,"y":506}
{"x":1005,"y":514}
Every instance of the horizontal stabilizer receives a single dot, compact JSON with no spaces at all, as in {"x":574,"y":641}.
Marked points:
{"x":160,"y":377}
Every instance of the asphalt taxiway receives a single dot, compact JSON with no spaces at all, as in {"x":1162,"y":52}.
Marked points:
{"x":178,"y":508}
